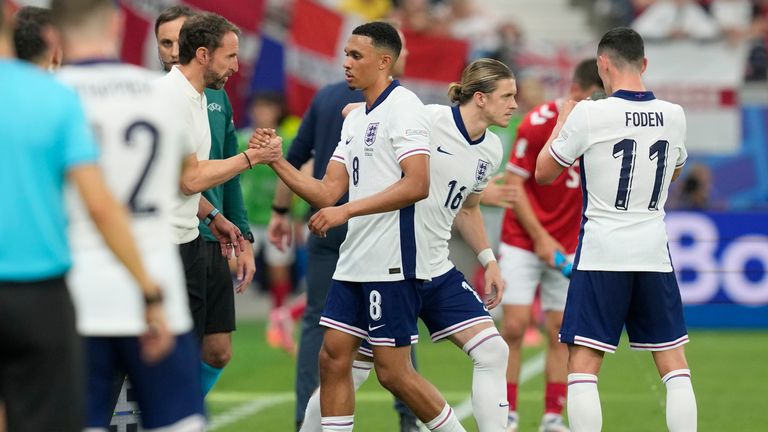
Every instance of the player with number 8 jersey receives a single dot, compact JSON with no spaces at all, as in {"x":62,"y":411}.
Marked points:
{"x":465,"y":155}
{"x":382,"y":161}
{"x":374,"y":140}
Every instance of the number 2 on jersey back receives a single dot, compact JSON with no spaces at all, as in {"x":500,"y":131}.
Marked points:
{"x":626,"y":149}
{"x":154,"y":137}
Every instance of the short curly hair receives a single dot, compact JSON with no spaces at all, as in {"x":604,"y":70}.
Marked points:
{"x":28,"y":32}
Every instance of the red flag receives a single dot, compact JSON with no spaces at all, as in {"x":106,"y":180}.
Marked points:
{"x":314,"y":52}
{"x":433,"y":63}
{"x":10,"y":8}
{"x":246,"y":14}
{"x":435,"y":58}
{"x":139,"y":44}
{"x":138,"y":30}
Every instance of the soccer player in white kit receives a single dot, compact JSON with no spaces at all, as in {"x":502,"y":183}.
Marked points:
{"x":383,"y":161}
{"x":630,"y":147}
{"x":464,"y":159}
{"x":142,"y":149}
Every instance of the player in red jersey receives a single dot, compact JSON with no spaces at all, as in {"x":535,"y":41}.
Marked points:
{"x":544,"y":220}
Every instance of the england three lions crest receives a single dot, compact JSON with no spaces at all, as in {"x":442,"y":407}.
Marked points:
{"x":370,"y":133}
{"x":482,"y":170}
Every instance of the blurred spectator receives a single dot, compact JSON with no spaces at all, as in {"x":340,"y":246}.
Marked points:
{"x":694,"y":191}
{"x":530,"y":93}
{"x":267,"y":110}
{"x":416,"y":16}
{"x":511,"y":43}
{"x":676,"y":19}
{"x":733,"y":17}
{"x":757,"y":68}
{"x":370,"y":10}
{"x":607,"y":14}
{"x":467,"y":21}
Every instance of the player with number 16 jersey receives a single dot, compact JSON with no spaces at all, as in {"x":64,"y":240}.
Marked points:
{"x":452,"y":178}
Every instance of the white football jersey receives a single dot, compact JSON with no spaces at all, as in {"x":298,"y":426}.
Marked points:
{"x":142,"y":147}
{"x":458,"y":167}
{"x":628,"y":146}
{"x":193,"y":112}
{"x":387,"y":246}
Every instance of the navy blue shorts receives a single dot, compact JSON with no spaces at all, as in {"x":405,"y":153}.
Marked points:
{"x":166,"y":392}
{"x":601,"y":303}
{"x":383,"y":312}
{"x":448,"y":305}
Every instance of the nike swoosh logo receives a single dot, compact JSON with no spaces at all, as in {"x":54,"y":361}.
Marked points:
{"x":348,"y":141}
{"x":440,"y":150}
{"x":374,"y":328}
{"x":502,"y":405}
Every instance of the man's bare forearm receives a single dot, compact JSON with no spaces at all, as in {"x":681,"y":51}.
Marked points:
{"x":210,"y":173}
{"x":469,"y":222}
{"x":314,"y":191}
{"x":283,"y":195}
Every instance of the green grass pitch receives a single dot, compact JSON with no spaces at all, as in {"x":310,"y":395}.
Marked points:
{"x":729,"y":371}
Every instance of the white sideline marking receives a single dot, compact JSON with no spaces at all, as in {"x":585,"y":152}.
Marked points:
{"x":246,"y":410}
{"x":529,"y":369}
{"x":251,"y":403}
{"x":364,"y":396}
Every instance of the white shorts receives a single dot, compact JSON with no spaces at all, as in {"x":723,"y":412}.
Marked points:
{"x":523,"y":271}
{"x":272,"y":255}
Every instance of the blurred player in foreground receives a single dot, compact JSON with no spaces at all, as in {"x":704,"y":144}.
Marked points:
{"x":142,"y":150}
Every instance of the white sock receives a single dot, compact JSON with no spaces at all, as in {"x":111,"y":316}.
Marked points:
{"x":681,"y":402}
{"x":338,"y":423}
{"x":489,"y":353}
{"x":584,"y":413}
{"x":360,"y":371}
{"x":446,"y":421}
